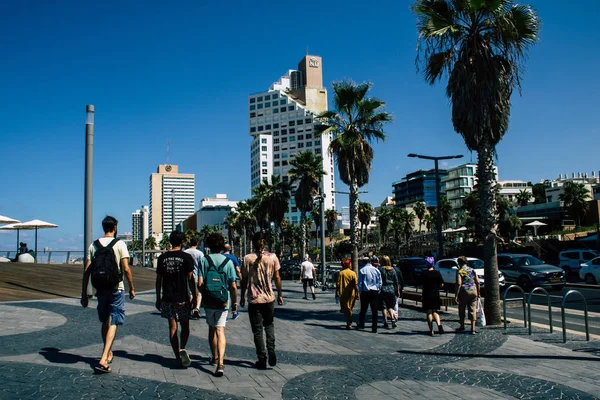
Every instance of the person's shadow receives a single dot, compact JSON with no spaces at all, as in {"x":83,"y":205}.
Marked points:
{"x":153,"y":358}
{"x":56,"y":356}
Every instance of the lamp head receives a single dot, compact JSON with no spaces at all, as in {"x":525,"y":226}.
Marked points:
{"x":412,"y":155}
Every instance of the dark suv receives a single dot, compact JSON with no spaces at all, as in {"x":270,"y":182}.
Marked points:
{"x":529,"y":272}
{"x":412,"y":267}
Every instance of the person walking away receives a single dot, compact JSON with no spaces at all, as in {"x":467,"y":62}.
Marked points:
{"x":347,"y":290}
{"x":431,"y":281}
{"x":400,"y":289}
{"x":234,"y":260}
{"x":174,"y":280}
{"x":219,"y":294}
{"x":197,"y":255}
{"x":308,"y":274}
{"x":258,"y":270}
{"x":369,"y":285}
{"x":467,"y":293}
{"x":389,"y":291}
{"x":107,"y":263}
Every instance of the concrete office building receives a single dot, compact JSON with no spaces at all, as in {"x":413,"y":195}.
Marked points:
{"x":139,"y":223}
{"x":555,"y":187}
{"x":418,"y":186}
{"x":510,"y":189}
{"x":281,"y":124}
{"x":171,"y":194}
{"x":460,"y":182}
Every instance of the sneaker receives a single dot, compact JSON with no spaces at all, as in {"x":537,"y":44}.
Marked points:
{"x":272,"y":359}
{"x":220,"y":371}
{"x":195,"y":314}
{"x":185,"y":358}
{"x":235,"y":316}
{"x":314,"y":296}
{"x":261,"y":364}
{"x":393,"y":323}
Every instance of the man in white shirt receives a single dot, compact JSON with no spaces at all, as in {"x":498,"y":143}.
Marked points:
{"x":111,"y":301}
{"x":197,"y":255}
{"x":307,"y":274}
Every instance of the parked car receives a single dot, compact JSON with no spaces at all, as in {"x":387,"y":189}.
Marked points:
{"x":571,"y":260}
{"x":449,"y":266}
{"x":289,"y":269}
{"x":412,"y":267}
{"x":529,"y":272}
{"x":590,"y":271}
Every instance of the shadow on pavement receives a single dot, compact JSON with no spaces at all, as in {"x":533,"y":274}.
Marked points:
{"x":499,"y":356}
{"x":153,"y":358}
{"x":39,"y":290}
{"x":55,"y":356}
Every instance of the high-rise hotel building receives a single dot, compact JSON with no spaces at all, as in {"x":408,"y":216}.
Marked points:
{"x":172,"y":195}
{"x":139,"y":224}
{"x":281,"y":123}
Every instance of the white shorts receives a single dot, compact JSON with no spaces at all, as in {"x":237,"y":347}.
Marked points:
{"x":216,"y":317}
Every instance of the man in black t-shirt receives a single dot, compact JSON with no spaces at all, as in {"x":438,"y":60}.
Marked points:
{"x":174,"y":275}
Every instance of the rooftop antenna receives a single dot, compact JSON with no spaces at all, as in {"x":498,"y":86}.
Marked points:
{"x":168,"y":149}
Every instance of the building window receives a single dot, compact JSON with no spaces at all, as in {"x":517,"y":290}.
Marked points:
{"x":274,"y":96}
{"x":300,"y":137}
{"x":268,"y":127}
{"x":308,"y":144}
{"x":268,"y":97}
{"x":283,"y":109}
{"x":317,"y":151}
{"x":292,"y":123}
{"x":252,"y":107}
{"x":286,"y":178}
{"x":290,"y":108}
{"x":284,"y":140}
{"x":292,"y":138}
{"x":276,"y":163}
{"x":252,"y":100}
{"x":309,"y":135}
{"x":263,"y":148}
{"x":263,"y":140}
{"x":276,"y":156}
{"x":260,"y":105}
{"x":264,"y":172}
{"x":259,"y":98}
{"x":307,"y":120}
{"x":282,"y":101}
{"x":284,"y":131}
{"x":276,"y":148}
{"x":292,"y":130}
{"x":300,"y":122}
{"x":284,"y":156}
{"x":275,"y":141}
{"x":275,"y":133}
{"x":253,"y":129}
{"x":252,"y":115}
{"x":284,"y":163}
{"x":267,"y":104}
{"x":264,"y":163}
{"x":260,"y":128}
{"x":275,"y":111}
{"x":294,"y":209}
{"x":317,"y":142}
{"x":276,"y":126}
{"x":300,"y":145}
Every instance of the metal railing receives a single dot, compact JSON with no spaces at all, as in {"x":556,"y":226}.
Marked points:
{"x":51,"y":256}
{"x":504,"y":300}
{"x":539,"y":289}
{"x":585,"y":314}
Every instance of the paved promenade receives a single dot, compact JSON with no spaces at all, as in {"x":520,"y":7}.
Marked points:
{"x":49,"y":347}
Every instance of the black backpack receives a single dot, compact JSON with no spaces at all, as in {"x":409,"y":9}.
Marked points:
{"x":106,"y":274}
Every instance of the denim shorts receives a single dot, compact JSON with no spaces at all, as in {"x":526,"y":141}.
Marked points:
{"x":111,"y":303}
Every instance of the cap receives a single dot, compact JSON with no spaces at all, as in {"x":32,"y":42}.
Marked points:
{"x":374,"y":260}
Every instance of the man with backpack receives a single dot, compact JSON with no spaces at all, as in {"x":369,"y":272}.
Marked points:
{"x":107,"y":262}
{"x":216,"y":280}
{"x":174,"y":277}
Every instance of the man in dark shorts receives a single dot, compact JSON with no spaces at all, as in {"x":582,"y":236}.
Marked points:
{"x":111,"y":303}
{"x":174,"y":275}
{"x":308,"y":274}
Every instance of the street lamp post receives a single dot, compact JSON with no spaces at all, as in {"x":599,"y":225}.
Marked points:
{"x":438,"y":219}
{"x":172,"y":210}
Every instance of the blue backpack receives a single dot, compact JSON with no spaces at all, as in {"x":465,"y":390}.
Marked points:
{"x":216,"y":285}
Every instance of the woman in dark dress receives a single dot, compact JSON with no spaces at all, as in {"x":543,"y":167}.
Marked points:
{"x":431,"y":280}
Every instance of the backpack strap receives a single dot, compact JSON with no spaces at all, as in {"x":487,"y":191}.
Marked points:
{"x":97,"y":244}
{"x":112,"y":243}
{"x":223,"y":264}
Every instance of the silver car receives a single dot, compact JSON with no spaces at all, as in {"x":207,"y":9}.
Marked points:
{"x":449,"y":266}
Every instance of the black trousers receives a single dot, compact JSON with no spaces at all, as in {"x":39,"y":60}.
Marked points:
{"x":261,"y":317}
{"x":368,"y":299}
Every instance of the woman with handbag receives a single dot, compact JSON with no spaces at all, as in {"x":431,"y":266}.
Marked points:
{"x":467,"y":293}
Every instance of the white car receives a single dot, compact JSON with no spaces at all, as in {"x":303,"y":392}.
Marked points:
{"x":449,"y":266}
{"x":571,"y":260}
{"x":590,"y":271}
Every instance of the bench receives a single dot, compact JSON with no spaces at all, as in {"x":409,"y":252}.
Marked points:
{"x":417,"y":297}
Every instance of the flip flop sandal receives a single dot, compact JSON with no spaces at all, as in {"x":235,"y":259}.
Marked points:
{"x":101,"y":369}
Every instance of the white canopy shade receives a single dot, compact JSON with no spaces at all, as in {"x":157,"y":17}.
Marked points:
{"x":8,"y":220}
{"x":449,"y":230}
{"x":536,"y":223}
{"x":10,"y":227}
{"x":461,"y":229}
{"x":35,"y":224}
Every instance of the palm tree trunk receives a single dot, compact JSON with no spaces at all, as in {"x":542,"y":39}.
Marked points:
{"x":303,"y":235}
{"x":354,"y":223}
{"x":486,"y":180}
{"x":420,"y":223}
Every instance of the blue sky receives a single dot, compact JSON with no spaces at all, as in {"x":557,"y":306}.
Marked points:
{"x":157,"y":71}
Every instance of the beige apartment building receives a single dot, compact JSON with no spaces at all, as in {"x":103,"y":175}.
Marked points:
{"x":172,"y":197}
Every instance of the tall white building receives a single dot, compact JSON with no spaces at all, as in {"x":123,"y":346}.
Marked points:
{"x":460,"y":182}
{"x":281,"y":123}
{"x":139,"y":224}
{"x":172,"y":195}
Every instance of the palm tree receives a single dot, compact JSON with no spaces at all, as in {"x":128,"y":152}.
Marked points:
{"x":405,"y":222}
{"x":429,"y":222}
{"x":523,"y":197}
{"x":384,"y":217}
{"x":445,"y":210}
{"x":271,"y":202}
{"x":420,"y":209}
{"x":356,"y":121}
{"x":365,"y":211}
{"x":232,"y":224}
{"x":539,"y":193}
{"x":480,"y":47}
{"x":575,"y":196}
{"x":150,"y":243}
{"x":247,"y":221}
{"x":306,"y":172}
{"x":164,"y":243}
{"x":331,"y":216}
